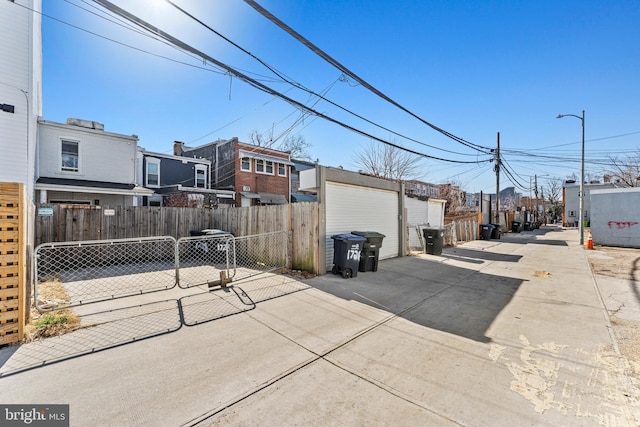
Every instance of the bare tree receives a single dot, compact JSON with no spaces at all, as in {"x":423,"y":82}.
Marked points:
{"x":294,"y":144}
{"x":180,"y":200}
{"x":552,"y":196}
{"x":455,"y":197}
{"x":627,"y":170}
{"x":261,"y":140}
{"x":297,"y":146}
{"x":389,"y":162}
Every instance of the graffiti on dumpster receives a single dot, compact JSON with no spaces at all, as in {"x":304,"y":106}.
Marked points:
{"x":621,"y":224}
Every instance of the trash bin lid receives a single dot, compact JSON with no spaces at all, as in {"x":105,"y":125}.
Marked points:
{"x":210,"y":231}
{"x":368,"y":234}
{"x":348,"y":237}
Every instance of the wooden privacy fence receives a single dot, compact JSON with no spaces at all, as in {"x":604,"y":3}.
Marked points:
{"x":461,"y":228}
{"x":65,"y":223}
{"x":15,"y":211}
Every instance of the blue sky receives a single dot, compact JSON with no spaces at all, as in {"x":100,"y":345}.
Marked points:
{"x":472,"y":68}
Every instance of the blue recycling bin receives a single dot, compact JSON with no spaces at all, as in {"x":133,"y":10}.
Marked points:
{"x":346,"y":254}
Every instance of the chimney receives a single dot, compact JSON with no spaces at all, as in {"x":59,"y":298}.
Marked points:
{"x":178,"y":148}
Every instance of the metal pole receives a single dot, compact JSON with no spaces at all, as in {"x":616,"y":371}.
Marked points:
{"x":581,"y":216}
{"x":498,"y":181}
{"x":581,"y":194}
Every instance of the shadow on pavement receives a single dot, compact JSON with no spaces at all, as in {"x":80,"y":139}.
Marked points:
{"x":477,"y":256}
{"x":434,"y":294}
{"x":104,"y":328}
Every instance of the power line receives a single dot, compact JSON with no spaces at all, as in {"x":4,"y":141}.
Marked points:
{"x":302,"y":87}
{"x":351,"y":74}
{"x":233,"y":72}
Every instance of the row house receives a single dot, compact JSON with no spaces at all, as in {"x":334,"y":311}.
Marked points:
{"x":79,"y":163}
{"x":257,"y":175}
{"x":178,"y":181}
{"x":298,"y":194}
{"x":415,"y":188}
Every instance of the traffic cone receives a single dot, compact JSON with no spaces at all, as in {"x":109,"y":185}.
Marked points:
{"x":590,"y":241}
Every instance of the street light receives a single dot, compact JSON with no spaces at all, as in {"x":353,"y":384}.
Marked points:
{"x":581,"y":197}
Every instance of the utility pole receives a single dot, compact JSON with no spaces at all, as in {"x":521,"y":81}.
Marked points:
{"x":535,"y":191}
{"x":497,"y":169}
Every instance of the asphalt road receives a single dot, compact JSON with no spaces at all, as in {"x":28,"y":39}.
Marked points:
{"x":492,"y":333}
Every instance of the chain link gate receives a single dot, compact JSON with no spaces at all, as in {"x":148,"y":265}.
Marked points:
{"x":70,"y":274}
{"x":206,"y":259}
{"x":111,"y":286}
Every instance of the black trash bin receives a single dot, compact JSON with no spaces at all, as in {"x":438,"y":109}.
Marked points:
{"x":370,"y":250}
{"x":485,"y":231}
{"x":495,"y":233}
{"x":527,"y":226}
{"x":434,"y":240}
{"x":515,"y":226}
{"x":346,"y":254}
{"x":206,"y":247}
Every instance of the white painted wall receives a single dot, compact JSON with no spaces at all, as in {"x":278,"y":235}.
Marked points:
{"x":423,"y":212}
{"x":20,"y":86}
{"x":615,"y":217}
{"x":572,"y":201}
{"x":103,"y":156}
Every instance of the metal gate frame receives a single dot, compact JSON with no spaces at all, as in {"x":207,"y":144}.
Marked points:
{"x":92,"y":264}
{"x":91,"y":271}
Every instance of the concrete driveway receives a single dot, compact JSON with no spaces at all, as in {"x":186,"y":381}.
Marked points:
{"x":501,"y":332}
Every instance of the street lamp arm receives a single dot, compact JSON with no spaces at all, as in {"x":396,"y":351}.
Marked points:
{"x":565,"y":115}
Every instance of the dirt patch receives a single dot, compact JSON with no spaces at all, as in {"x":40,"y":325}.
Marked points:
{"x":51,"y":294}
{"x":297,"y":274}
{"x":621,"y":263}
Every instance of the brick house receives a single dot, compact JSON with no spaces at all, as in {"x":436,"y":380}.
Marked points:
{"x":258,"y":175}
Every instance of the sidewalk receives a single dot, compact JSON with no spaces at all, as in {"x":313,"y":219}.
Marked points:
{"x":492,"y":333}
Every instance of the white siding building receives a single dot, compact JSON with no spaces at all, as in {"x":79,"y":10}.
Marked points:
{"x":80,"y":163}
{"x":571,"y":199}
{"x":20,"y":90}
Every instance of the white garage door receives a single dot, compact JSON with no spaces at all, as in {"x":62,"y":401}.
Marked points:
{"x":352,"y":208}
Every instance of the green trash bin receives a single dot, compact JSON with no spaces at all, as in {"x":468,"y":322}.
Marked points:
{"x":370,"y":250}
{"x":434,"y":240}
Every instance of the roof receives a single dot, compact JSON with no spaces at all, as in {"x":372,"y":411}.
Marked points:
{"x":85,"y":186}
{"x":303,"y":198}
{"x":256,"y":155}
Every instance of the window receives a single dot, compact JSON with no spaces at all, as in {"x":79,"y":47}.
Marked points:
{"x":245,"y":164}
{"x":201,"y":176}
{"x":572,"y":213}
{"x":282,"y":169}
{"x":153,"y":172}
{"x":70,"y":156}
{"x":264,"y":166}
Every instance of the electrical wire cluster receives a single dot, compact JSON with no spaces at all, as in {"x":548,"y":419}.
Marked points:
{"x":122,"y":18}
{"x":534,"y":159}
